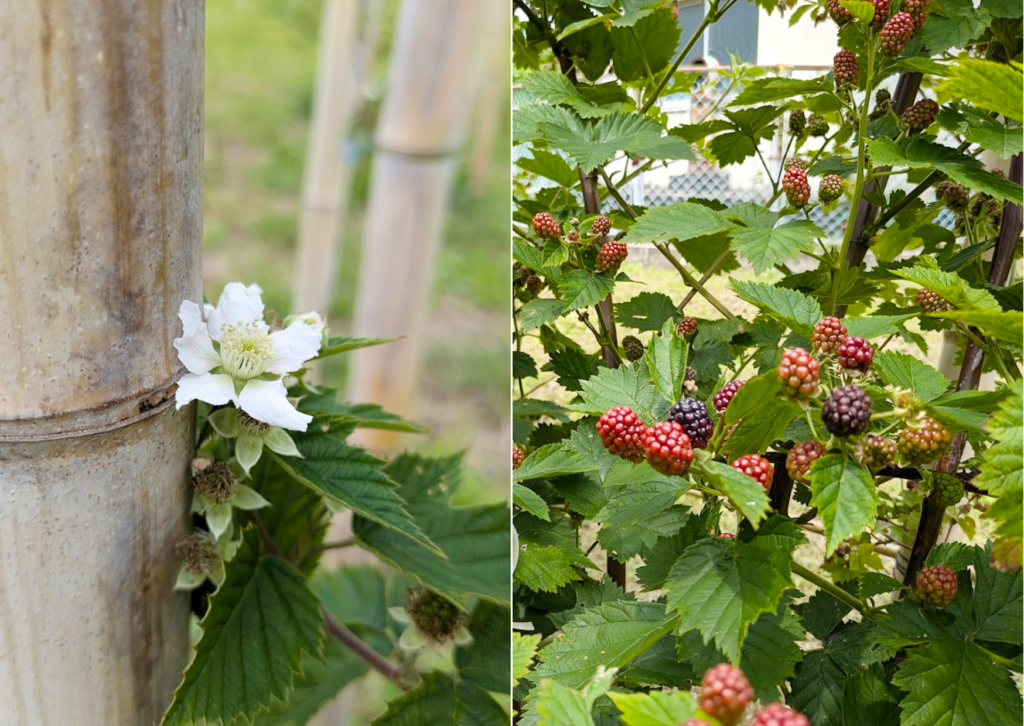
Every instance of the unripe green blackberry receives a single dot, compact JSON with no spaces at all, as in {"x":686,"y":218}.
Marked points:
{"x":883,"y":102}
{"x":546,"y":226}
{"x":920,"y":116}
{"x":798,"y":373}
{"x":798,"y":191}
{"x":931,"y":302}
{"x":947,"y":490}
{"x":517,"y":457}
{"x":953,"y":196}
{"x":923,"y":443}
{"x":797,"y":122}
{"x":667,"y":448}
{"x":846,"y":411}
{"x":687,"y":327}
{"x":610,"y":256}
{"x":831,"y":188}
{"x":600,"y":226}
{"x":829,"y":333}
{"x":840,"y":15}
{"x":845,"y":68}
{"x":817,"y":125}
{"x":896,"y":33}
{"x":937,"y":585}
{"x":875,"y":452}
{"x":433,"y":615}
{"x":633,"y":348}
{"x":801,"y":456}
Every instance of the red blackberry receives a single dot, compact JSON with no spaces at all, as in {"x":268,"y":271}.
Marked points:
{"x":798,"y":373}
{"x":797,"y":122}
{"x":881,"y":12}
{"x":798,"y":191}
{"x":953,"y":196}
{"x":801,"y":456}
{"x":947,"y":490}
{"x":610,"y":256}
{"x":937,"y":585}
{"x":829,"y":334}
{"x":725,"y":394}
{"x":840,"y":15}
{"x":724,"y":693}
{"x":831,"y":188}
{"x":687,"y":327}
{"x":546,"y":226}
{"x":916,"y":7}
{"x":633,"y":348}
{"x":920,"y":116}
{"x":919,"y":20}
{"x":692,"y":415}
{"x":855,"y":354}
{"x":775,"y":714}
{"x":668,"y":448}
{"x":847,"y":411}
{"x":930,"y":302}
{"x":845,"y":68}
{"x":694,"y":721}
{"x":794,"y":162}
{"x":517,"y":457}
{"x":896,"y":33}
{"x":875,"y":452}
{"x":622,"y":433}
{"x":817,"y":125}
{"x":726,"y":535}
{"x":600,"y":226}
{"x":756,"y":467}
{"x":924,"y":443}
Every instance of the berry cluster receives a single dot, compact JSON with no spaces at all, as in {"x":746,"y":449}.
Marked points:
{"x":757,"y":468}
{"x":931,"y":302}
{"x":875,"y":452}
{"x":847,"y":411}
{"x":881,"y":12}
{"x":622,"y":433}
{"x":845,"y":68}
{"x":724,"y":396}
{"x":600,"y":226}
{"x":953,"y":196}
{"x":798,"y":191}
{"x":947,"y":490}
{"x":798,"y":120}
{"x":668,"y":448}
{"x":610,"y":256}
{"x":855,"y":354}
{"x":831,"y":188}
{"x":633,"y":348}
{"x":692,"y":415}
{"x":798,"y":373}
{"x":817,"y":125}
{"x":937,"y":585}
{"x":920,"y":116}
{"x":896,"y":33}
{"x":828,"y":335}
{"x":801,"y":456}
{"x":925,"y":442}
{"x":725,"y":693}
{"x":687,"y":327}
{"x":883,"y":101}
{"x":840,"y":15}
{"x":794,"y":162}
{"x":517,"y":457}
{"x":546,"y":226}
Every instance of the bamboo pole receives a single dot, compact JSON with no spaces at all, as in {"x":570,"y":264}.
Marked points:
{"x":100,"y":233}
{"x":421,"y":130}
{"x":326,"y":173}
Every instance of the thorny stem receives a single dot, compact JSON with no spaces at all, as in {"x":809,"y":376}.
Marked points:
{"x":835,"y":591}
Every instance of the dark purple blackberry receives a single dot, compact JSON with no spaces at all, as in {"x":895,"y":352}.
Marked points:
{"x":847,"y":411}
{"x":692,"y":415}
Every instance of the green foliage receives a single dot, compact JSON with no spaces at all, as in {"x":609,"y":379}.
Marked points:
{"x":440,"y":701}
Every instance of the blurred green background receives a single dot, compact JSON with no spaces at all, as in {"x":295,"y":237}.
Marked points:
{"x":261,"y":60}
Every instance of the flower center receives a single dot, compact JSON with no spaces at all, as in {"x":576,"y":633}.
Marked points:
{"x":250,"y":424}
{"x":245,"y":350}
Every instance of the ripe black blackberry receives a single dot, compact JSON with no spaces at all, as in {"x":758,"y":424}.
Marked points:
{"x":622,"y":433}
{"x":953,"y":196}
{"x":817,"y":125}
{"x":723,"y":398}
{"x":855,"y":354}
{"x":600,"y":226}
{"x":947,"y":490}
{"x":801,"y":456}
{"x":924,"y":442}
{"x":829,"y":333}
{"x":920,"y":116}
{"x":757,"y":468}
{"x":725,"y":693}
{"x":633,"y":348}
{"x":840,"y":15}
{"x":847,"y":411}
{"x":937,"y":585}
{"x":775,"y":714}
{"x":798,"y":373}
{"x":517,"y":457}
{"x":930,"y":302}
{"x":896,"y":33}
{"x":831,"y":188}
{"x":668,"y":448}
{"x":687,"y":327}
{"x":881,"y":12}
{"x":845,"y":68}
{"x":433,"y":615}
{"x":610,"y":256}
{"x":692,"y":415}
{"x":883,"y":102}
{"x":798,"y":191}
{"x":546,"y":226}
{"x":875,"y":452}
{"x":797,"y":122}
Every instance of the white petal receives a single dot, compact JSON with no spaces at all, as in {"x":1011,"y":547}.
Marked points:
{"x":247,"y":498}
{"x":191,"y":317}
{"x":267,"y":401}
{"x":217,"y":389}
{"x":237,"y":304}
{"x":248,"y":450}
{"x":293,"y":346}
{"x":195,"y":349}
{"x":218,"y":516}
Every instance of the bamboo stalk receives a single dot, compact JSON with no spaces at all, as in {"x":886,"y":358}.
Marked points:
{"x":100,"y":233}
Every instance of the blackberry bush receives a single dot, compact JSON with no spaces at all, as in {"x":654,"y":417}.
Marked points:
{"x":923,"y":442}
{"x":831,"y":188}
{"x":817,"y":125}
{"x":920,"y":116}
{"x":947,"y":490}
{"x":633,"y":348}
{"x":600,"y":226}
{"x":687,"y":327}
{"x":896,"y":33}
{"x":875,"y":452}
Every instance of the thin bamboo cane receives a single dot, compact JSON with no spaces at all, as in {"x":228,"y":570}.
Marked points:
{"x":100,"y":232}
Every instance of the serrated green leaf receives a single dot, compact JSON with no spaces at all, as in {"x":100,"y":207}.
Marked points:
{"x":485,"y":661}
{"x":609,"y":635}
{"x":524,"y":650}
{"x":844,"y":493}
{"x":1005,"y":326}
{"x":681,"y":221}
{"x":523,"y":365}
{"x":572,"y":366}
{"x":538,"y":312}
{"x":579,"y":25}
{"x":997,"y":601}
{"x":553,"y":704}
{"x":820,"y":684}
{"x":265,"y":605}
{"x":762,"y":412}
{"x":527,"y":499}
{"x":871,"y":697}
{"x":797,"y":311}
{"x":439,"y":701}
{"x":774,"y":88}
{"x":655,"y":708}
{"x":747,"y":495}
{"x":593,"y":145}
{"x":550,"y":166}
{"x":874,"y":326}
{"x":666,"y":361}
{"x":649,"y":43}
{"x":1001,"y":469}
{"x":551,"y":461}
{"x":646,"y":311}
{"x":979,"y":127}
{"x":752,"y":126}
{"x":765,"y":247}
{"x":986,"y":84}
{"x":904,"y":371}
{"x":580,"y":289}
{"x":544,"y":568}
{"x":636,"y":516}
{"x":626,"y":386}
